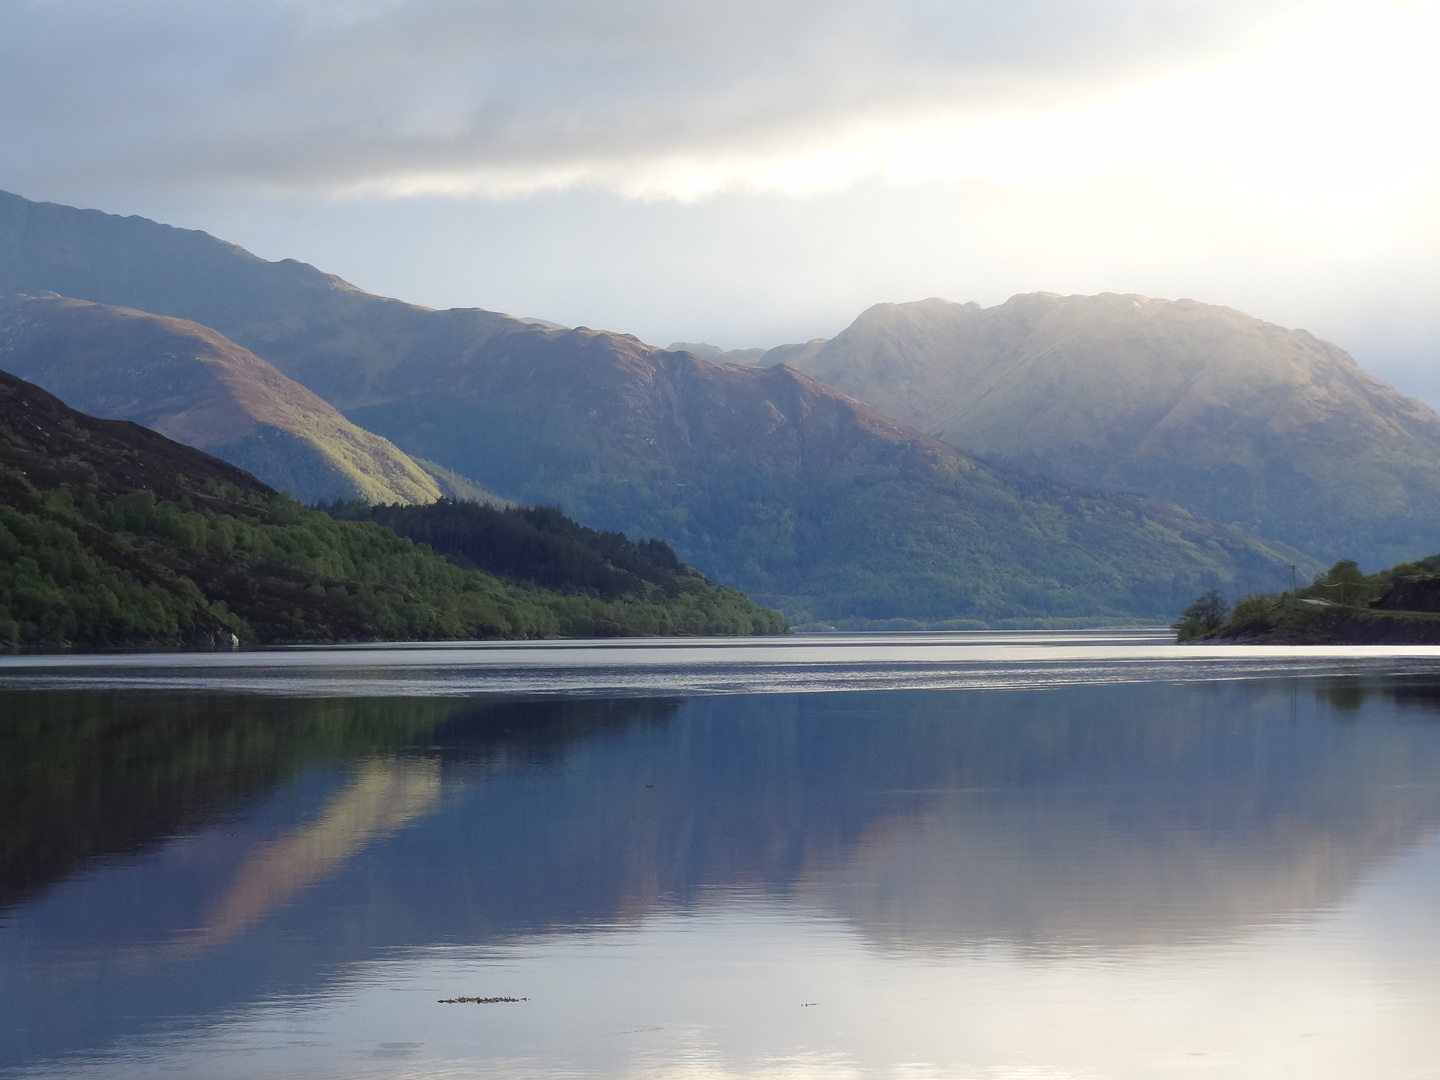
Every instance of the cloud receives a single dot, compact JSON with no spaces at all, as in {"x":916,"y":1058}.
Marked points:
{"x":649,"y":98}
{"x":756,"y":171}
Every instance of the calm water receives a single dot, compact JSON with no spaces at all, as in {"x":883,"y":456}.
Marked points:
{"x":972,"y":856}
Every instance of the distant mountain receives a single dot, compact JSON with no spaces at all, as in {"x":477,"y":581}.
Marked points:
{"x":1232,"y":418}
{"x":715,"y":354}
{"x":112,"y":534}
{"x":764,"y":478}
{"x":196,"y":387}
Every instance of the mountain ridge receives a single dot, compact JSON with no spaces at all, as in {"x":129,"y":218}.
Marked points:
{"x":294,"y":316}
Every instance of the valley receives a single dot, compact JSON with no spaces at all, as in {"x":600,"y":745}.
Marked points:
{"x":764,"y":478}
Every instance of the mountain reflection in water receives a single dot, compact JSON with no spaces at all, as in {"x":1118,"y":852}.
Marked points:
{"x":173,"y":862}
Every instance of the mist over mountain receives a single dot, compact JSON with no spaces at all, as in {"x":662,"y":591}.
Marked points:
{"x":763,"y":478}
{"x":1235,"y":419}
{"x":196,"y":387}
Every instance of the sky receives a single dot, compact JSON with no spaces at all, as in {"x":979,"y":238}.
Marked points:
{"x":761,"y":171}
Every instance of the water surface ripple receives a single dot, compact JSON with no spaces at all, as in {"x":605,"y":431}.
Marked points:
{"x":796,"y":664}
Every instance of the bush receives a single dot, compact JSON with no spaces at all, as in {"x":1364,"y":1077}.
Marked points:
{"x":1249,"y":608}
{"x":1208,"y":613}
{"x":1186,"y":629}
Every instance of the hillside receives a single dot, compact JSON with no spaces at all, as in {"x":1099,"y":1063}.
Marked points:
{"x":765,"y":479}
{"x":1232,"y":418}
{"x":196,"y":387}
{"x":111,"y":534}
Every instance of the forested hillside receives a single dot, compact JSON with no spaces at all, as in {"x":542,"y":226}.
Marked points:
{"x":111,"y":534}
{"x":536,"y":544}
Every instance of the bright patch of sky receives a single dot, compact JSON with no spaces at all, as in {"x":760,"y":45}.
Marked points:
{"x":762,"y":170}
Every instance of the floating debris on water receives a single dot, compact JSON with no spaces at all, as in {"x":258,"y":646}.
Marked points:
{"x":477,"y":1000}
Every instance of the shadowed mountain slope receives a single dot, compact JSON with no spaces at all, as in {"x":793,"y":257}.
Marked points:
{"x":1235,"y":419}
{"x":194,"y":386}
{"x":763,"y":478}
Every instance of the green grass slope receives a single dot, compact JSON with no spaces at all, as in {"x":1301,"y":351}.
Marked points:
{"x":111,"y":534}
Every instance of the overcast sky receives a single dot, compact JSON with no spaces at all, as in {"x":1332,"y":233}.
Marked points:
{"x":755,"y":172}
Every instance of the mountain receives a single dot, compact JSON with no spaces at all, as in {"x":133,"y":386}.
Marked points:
{"x":808,"y":499}
{"x":194,"y":386}
{"x":715,"y":354}
{"x":763,"y":478}
{"x":112,"y":534}
{"x":1233,"y":418}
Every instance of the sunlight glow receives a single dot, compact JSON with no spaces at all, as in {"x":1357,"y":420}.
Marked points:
{"x":1342,"y":104}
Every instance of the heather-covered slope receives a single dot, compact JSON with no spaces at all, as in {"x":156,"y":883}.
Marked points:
{"x":111,"y":534}
{"x":1232,"y":418}
{"x":196,"y":387}
{"x":765,"y":479}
